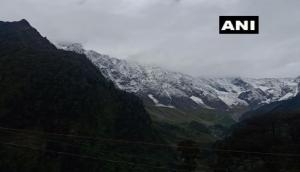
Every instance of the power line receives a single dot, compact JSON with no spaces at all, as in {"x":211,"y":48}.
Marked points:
{"x":121,"y":154}
{"x":100,"y":138}
{"x":82,"y":144}
{"x":159,"y":144}
{"x":113,"y":153}
{"x":88,"y":157}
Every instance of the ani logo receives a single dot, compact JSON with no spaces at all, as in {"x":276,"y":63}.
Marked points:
{"x":239,"y":24}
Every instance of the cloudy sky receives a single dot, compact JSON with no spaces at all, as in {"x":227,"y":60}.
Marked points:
{"x":180,"y":35}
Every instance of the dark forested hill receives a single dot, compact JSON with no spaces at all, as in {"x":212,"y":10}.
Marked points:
{"x":268,"y":139}
{"x":43,"y":91}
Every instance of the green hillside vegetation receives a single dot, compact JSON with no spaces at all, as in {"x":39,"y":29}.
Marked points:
{"x":201,"y":125}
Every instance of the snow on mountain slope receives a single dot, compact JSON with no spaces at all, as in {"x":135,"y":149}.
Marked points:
{"x":176,"y":90}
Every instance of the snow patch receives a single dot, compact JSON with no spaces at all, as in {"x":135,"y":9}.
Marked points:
{"x":287,"y":96}
{"x":197,"y":100}
{"x":167,"y":106}
{"x":156,"y":102}
{"x":200,"y":102}
{"x":153,"y":98}
{"x":231,"y":100}
{"x":263,"y":88}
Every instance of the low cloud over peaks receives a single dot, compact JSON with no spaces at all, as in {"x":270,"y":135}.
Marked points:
{"x":180,"y":35}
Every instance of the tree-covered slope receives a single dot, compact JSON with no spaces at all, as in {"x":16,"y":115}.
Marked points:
{"x":268,"y":140}
{"x":44,"y":91}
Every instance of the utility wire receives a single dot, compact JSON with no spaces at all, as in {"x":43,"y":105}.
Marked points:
{"x":153,"y":161}
{"x":89,"y":157}
{"x":159,"y":144}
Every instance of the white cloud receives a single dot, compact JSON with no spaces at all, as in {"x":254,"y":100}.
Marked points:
{"x":180,"y":35}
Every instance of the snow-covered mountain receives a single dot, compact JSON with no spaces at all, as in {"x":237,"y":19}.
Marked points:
{"x":169,"y":89}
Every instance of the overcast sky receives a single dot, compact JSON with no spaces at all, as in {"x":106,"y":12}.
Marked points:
{"x":180,"y":35}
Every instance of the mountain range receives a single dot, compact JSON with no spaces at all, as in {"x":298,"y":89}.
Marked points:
{"x":164,"y":88}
